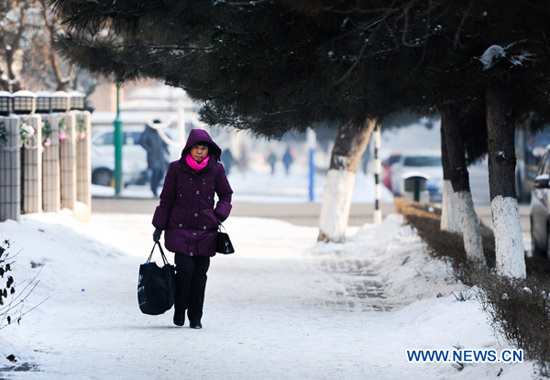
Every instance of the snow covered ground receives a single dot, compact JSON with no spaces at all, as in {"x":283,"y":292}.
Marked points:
{"x":282,"y":307}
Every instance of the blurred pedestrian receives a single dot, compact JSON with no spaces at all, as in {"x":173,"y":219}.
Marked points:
{"x":188,"y":215}
{"x":157,"y":154}
{"x":288,"y":159}
{"x":227,"y":160}
{"x":271,"y":160}
{"x":242,"y":162}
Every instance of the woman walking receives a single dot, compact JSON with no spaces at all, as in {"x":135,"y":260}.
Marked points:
{"x":189,"y":217}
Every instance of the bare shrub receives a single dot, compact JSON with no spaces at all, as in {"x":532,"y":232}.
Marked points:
{"x":12,"y":301}
{"x":519,"y":309}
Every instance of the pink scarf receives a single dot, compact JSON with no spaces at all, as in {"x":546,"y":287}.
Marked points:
{"x":196,"y":165}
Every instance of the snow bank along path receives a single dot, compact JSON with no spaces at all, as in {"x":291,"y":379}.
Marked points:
{"x":282,"y":307}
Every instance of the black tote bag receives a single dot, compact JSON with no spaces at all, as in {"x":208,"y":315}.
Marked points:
{"x":156,"y":286}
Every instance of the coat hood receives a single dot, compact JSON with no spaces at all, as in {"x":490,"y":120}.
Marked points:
{"x":200,"y":135}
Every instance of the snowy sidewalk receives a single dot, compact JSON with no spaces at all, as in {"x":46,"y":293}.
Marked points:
{"x":282,"y":307}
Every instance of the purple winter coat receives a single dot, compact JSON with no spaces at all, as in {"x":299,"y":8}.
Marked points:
{"x":186,"y":210}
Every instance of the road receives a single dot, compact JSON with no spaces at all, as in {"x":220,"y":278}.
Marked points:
{"x":302,"y":214}
{"x":307,"y":214}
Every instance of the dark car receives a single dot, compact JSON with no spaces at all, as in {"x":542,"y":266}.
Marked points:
{"x":540,"y":218}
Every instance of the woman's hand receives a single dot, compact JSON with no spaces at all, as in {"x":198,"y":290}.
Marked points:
{"x":156,"y":235}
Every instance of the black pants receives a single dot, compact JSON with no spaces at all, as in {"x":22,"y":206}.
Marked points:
{"x":190,"y":284}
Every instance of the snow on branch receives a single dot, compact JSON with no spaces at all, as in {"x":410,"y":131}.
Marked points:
{"x":492,"y":55}
{"x":495,"y":53}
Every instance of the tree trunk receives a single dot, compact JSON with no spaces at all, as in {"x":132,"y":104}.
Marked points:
{"x":469,"y":222}
{"x":449,"y":213}
{"x":348,"y":149}
{"x":510,"y":260}
{"x":50,"y":20}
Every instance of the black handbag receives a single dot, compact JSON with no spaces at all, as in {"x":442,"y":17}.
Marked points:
{"x":223,"y":243}
{"x":156,"y":288}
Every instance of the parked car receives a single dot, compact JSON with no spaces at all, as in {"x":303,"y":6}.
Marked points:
{"x":540,"y":220}
{"x":134,"y":157}
{"x":530,"y":147}
{"x":387,"y":169}
{"x":423,"y":163}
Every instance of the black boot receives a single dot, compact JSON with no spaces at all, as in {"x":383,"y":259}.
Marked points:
{"x":179,"y":318}
{"x":195,"y":325}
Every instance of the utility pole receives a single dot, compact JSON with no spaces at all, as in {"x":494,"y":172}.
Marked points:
{"x":311,"y":142}
{"x":119,"y":142}
{"x":377,"y":217}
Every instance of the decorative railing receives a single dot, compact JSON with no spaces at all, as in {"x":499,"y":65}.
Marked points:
{"x":45,"y":160}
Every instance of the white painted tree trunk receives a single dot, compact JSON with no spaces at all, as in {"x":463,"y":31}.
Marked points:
{"x":335,"y":209}
{"x":469,"y":224}
{"x":510,"y":261}
{"x":348,"y":149}
{"x":449,"y":213}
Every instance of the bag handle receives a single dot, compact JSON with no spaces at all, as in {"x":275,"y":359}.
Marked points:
{"x":161,"y":253}
{"x":220,"y":224}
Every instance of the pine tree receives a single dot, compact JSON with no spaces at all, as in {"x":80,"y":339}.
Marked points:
{"x":261,"y":66}
{"x":270,"y":67}
{"x":495,"y":55}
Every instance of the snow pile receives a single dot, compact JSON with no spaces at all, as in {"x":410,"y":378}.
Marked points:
{"x":405,"y":267}
{"x":282,"y":307}
{"x":401,"y":262}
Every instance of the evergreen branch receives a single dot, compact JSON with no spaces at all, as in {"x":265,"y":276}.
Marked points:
{"x":357,"y":10}
{"x":93,"y":45}
{"x":355,"y":63}
{"x":461,"y":24}
{"x":243,"y":3}
{"x":160,"y":47}
{"x":406,"y":28}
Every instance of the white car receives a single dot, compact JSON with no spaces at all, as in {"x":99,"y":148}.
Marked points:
{"x":419,"y":163}
{"x":134,"y":157}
